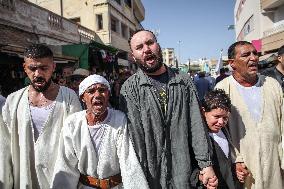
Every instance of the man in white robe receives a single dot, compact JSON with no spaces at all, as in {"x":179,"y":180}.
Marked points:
{"x":33,"y":118}
{"x":256,"y":120}
{"x":95,"y":149}
{"x":6,"y":180}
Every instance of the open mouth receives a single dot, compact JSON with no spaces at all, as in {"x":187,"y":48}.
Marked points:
{"x":39,"y":83}
{"x":98,"y":103}
{"x":150,"y":59}
{"x":253,"y":66}
{"x":218,"y":127}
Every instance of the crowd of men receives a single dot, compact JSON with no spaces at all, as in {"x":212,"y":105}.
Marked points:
{"x":165,"y":135}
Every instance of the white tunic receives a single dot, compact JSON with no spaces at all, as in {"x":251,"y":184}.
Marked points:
{"x":6,"y":178}
{"x":33,"y":162}
{"x":258,"y":144}
{"x":77,"y":154}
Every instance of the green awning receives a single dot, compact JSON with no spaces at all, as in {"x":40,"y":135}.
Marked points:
{"x":81,"y":51}
{"x":94,"y":44}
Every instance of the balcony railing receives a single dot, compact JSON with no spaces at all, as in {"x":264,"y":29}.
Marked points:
{"x":55,"y":21}
{"x":84,"y":32}
{"x":275,"y":29}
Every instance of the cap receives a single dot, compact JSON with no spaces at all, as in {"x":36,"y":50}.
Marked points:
{"x":91,"y":80}
{"x":81,"y":72}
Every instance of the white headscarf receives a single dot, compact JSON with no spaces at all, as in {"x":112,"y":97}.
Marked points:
{"x":91,"y":80}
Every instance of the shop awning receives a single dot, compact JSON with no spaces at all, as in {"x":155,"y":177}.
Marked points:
{"x":94,"y":44}
{"x":81,"y":51}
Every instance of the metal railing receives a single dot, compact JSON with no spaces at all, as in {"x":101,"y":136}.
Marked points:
{"x":84,"y":32}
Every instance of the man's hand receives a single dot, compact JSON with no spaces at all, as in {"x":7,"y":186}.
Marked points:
{"x":241,"y":171}
{"x":208,"y":178}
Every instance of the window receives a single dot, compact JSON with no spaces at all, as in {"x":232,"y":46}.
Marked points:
{"x":114,"y":24}
{"x":124,"y":31}
{"x":99,"y":18}
{"x":77,"y":20}
{"x":118,"y":1}
{"x":8,"y":4}
{"x":128,"y":3}
{"x":131,"y":32}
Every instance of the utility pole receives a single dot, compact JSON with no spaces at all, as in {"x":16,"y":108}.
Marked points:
{"x":188,"y":64}
{"x":61,"y":8}
{"x":179,"y":60}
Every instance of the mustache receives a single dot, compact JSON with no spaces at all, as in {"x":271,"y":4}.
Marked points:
{"x":152,"y":55}
{"x":39,"y":79}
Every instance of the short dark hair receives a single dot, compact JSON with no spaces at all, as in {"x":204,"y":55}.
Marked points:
{"x":216,"y":99}
{"x":222,"y":70}
{"x":137,"y":31}
{"x":38,"y":51}
{"x":281,"y":50}
{"x":232,"y":48}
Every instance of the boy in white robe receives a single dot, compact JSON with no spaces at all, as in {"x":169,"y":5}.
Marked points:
{"x":216,"y":108}
{"x":95,"y":150}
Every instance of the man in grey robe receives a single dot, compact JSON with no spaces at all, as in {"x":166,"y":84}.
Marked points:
{"x":2,"y":102}
{"x":95,"y":149}
{"x":164,"y":120}
{"x":33,"y":118}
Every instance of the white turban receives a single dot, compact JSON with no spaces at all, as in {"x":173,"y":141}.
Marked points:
{"x":91,"y":80}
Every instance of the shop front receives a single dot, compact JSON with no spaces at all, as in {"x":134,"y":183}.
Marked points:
{"x":98,"y":58}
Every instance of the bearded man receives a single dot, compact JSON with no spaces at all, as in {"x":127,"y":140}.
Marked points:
{"x":33,"y":118}
{"x":164,"y":120}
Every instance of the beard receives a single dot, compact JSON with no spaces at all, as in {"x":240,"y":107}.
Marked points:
{"x":42,"y":88}
{"x":151,"y":68}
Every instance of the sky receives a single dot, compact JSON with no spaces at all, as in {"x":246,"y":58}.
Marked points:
{"x":200,"y":25}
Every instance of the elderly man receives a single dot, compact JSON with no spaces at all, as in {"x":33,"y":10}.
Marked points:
{"x":164,"y":120}
{"x":34,"y":117}
{"x":95,"y":149}
{"x":256,"y":121}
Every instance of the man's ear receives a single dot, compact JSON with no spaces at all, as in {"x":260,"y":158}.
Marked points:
{"x":133,"y":57}
{"x":54,"y":65}
{"x":279,"y":58}
{"x":232,"y":63}
{"x":24,"y":66}
{"x":202,"y":110}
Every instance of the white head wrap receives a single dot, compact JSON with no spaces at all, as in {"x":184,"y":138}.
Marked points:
{"x":91,"y":80}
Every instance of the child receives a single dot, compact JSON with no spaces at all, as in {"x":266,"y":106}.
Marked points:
{"x":216,"y":107}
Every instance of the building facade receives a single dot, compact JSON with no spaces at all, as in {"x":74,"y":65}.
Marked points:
{"x":169,"y":57}
{"x":113,"y":20}
{"x":260,"y":22}
{"x":23,"y":23}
